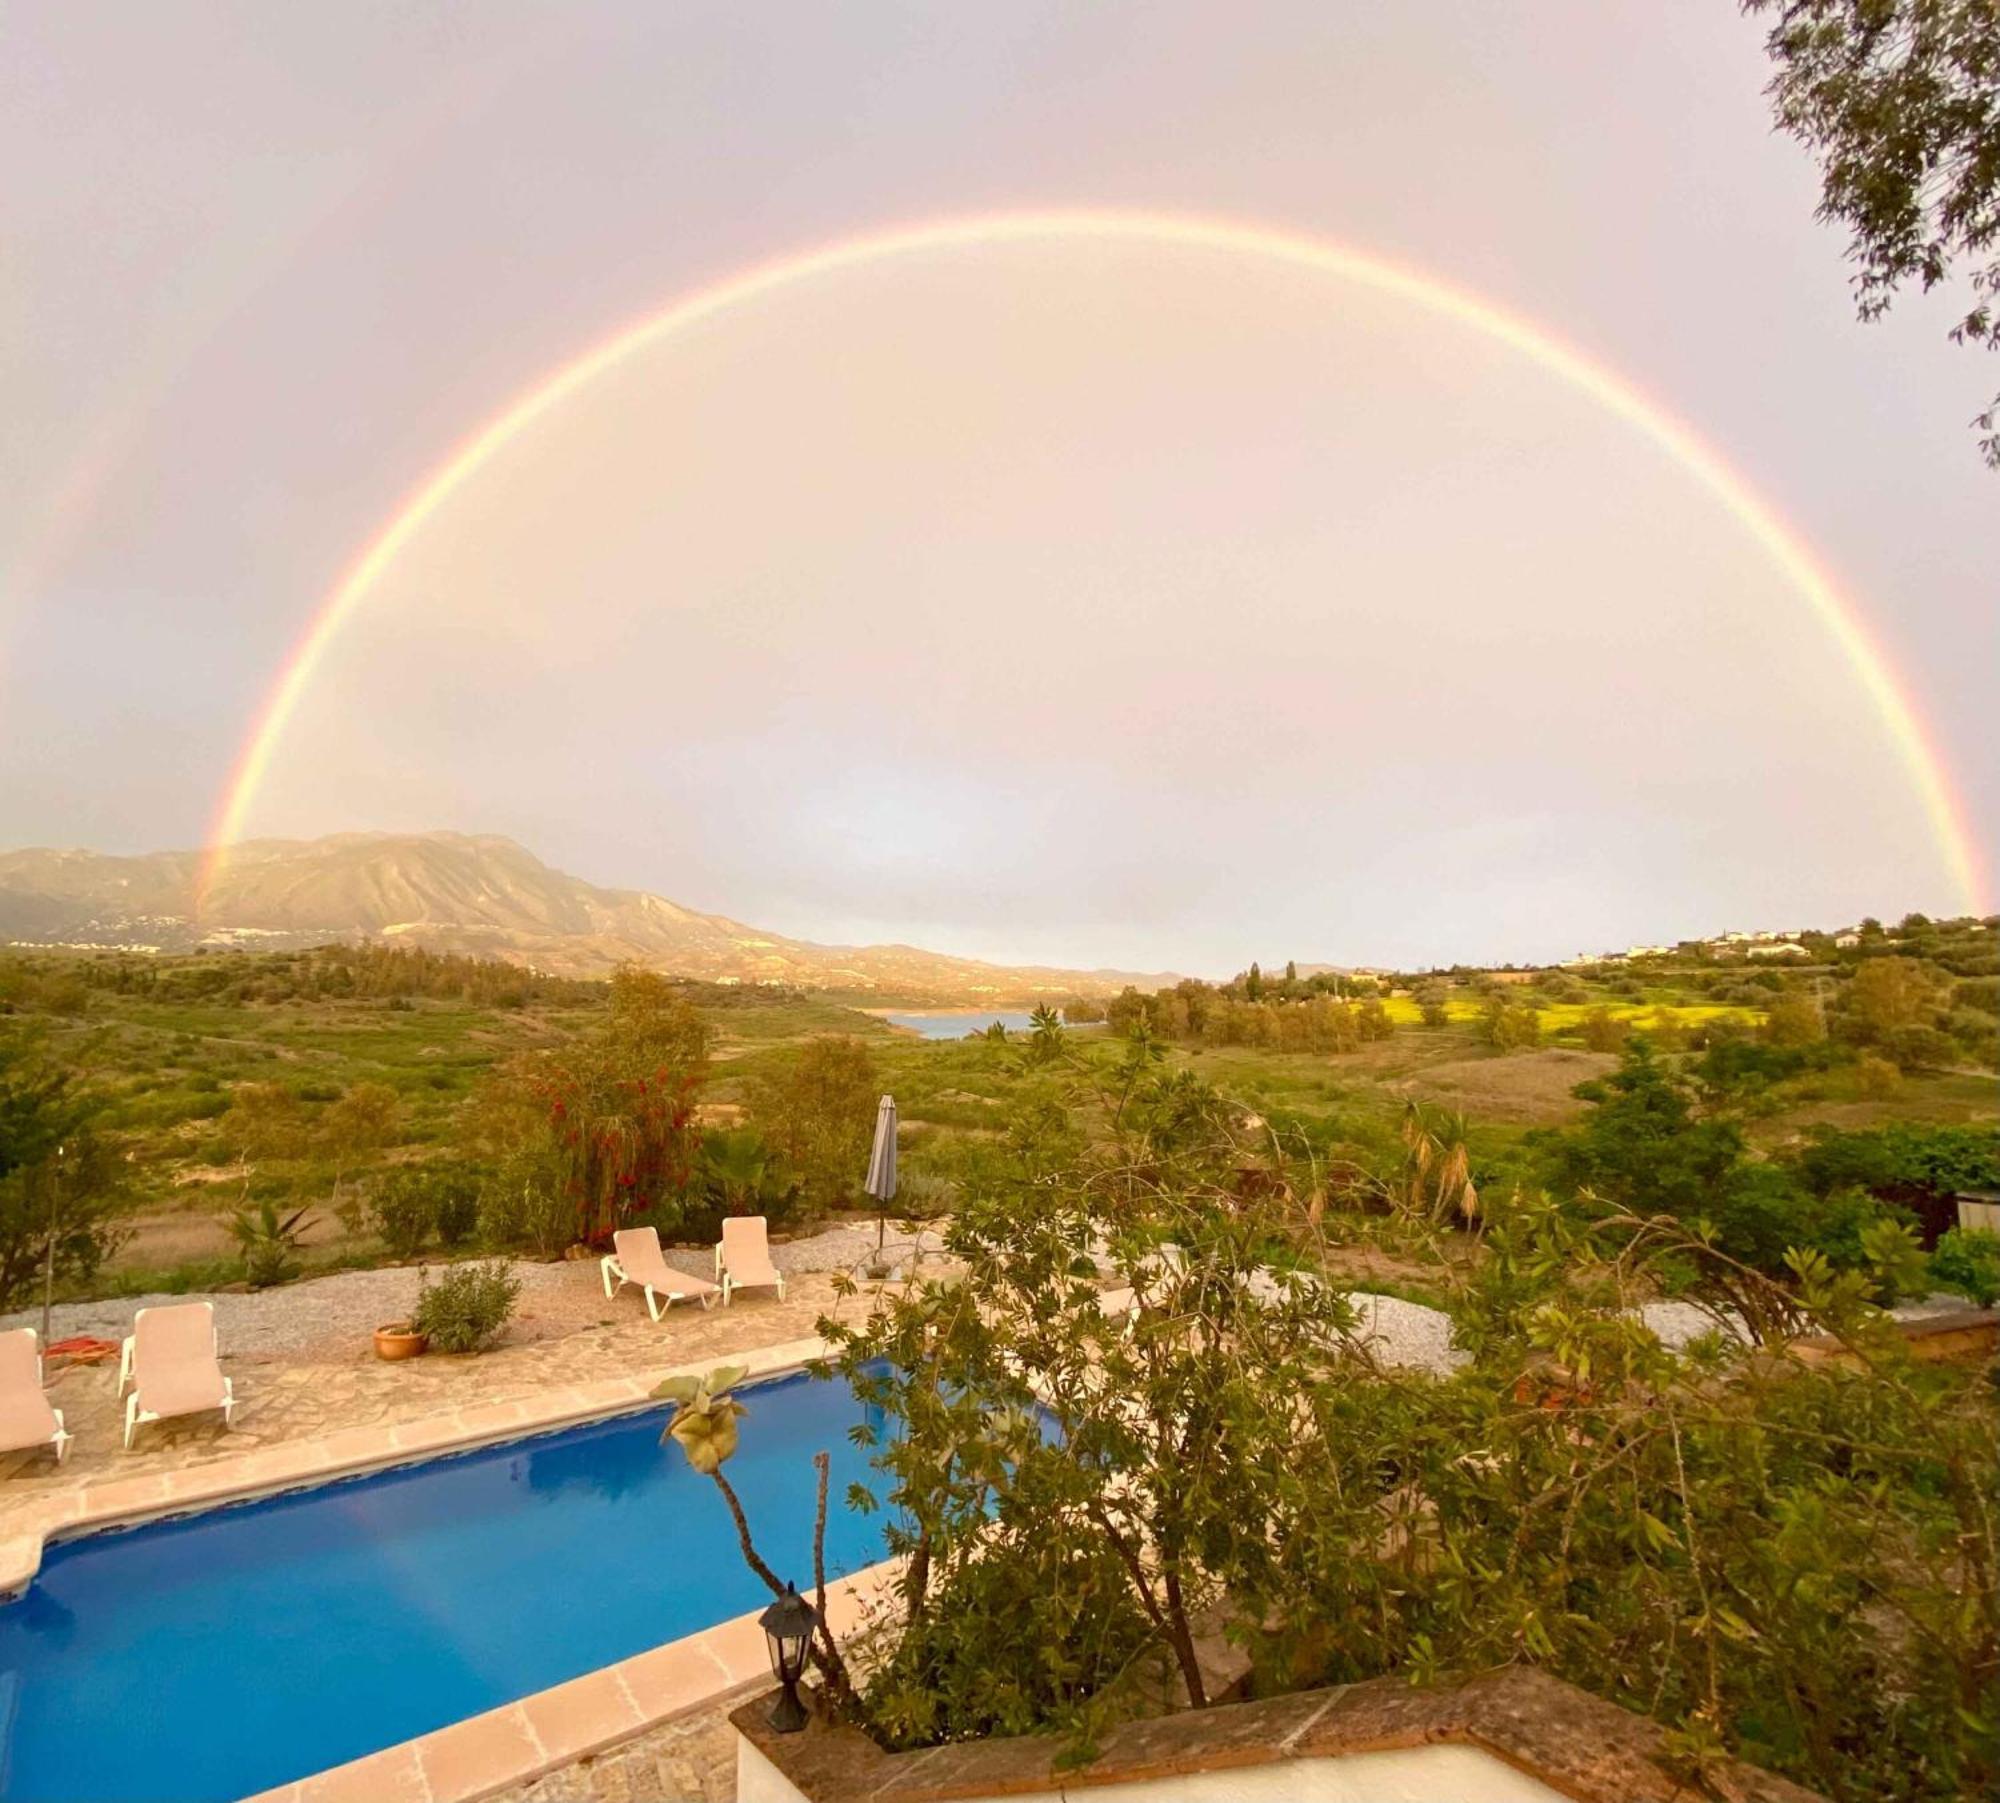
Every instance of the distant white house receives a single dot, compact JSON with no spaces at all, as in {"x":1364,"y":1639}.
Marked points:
{"x":1847,"y":939}
{"x":1784,"y":948}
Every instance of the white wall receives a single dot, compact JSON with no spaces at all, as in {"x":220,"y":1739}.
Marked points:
{"x":1437,"y":1774}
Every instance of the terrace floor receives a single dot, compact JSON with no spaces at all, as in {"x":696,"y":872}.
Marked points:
{"x":282,"y":1399}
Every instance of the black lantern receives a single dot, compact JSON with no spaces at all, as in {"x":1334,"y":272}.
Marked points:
{"x":788,"y":1627}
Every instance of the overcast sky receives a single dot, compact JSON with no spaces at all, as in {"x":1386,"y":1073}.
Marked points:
{"x":1114,"y":603}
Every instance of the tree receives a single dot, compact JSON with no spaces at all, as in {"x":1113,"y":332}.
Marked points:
{"x":1885,"y":997}
{"x":367,"y":1117}
{"x":1510,"y":1026}
{"x":820,"y":1113}
{"x":1642,"y":1146}
{"x":1899,"y":101}
{"x":264,"y":1120}
{"x":652,"y":1023}
{"x":1604,"y":1031}
{"x":1125,"y":1010}
{"x":1433,"y":1004}
{"x":1650,"y":1147}
{"x":611,"y":1114}
{"x":1253,"y":984}
{"x":1371,"y":1019}
{"x":62,"y":1188}
{"x":742,"y":1174}
{"x":1108,"y":1541}
{"x":1795,"y":1019}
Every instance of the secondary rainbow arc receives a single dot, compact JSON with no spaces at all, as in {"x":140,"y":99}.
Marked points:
{"x":1614,"y":392}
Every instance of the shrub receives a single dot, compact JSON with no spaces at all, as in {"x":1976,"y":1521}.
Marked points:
{"x":1511,"y":1026}
{"x":455,"y":1213}
{"x":1876,"y":1077}
{"x":1604,"y":1031}
{"x":1922,"y":1049}
{"x":1918,"y":1165}
{"x":606,"y":1120}
{"x":523,"y":1206}
{"x":404,"y":1212}
{"x":820,"y":1114}
{"x":462,"y":1310}
{"x":1967,"y":1261}
{"x":1782,"y":1561}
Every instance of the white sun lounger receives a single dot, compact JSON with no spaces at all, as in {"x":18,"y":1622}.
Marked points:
{"x":635,"y":1257}
{"x":170,"y":1360}
{"x":27,"y":1418}
{"x":743,"y":1257}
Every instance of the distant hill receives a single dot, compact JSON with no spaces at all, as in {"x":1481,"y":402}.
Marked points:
{"x":467,"y":893}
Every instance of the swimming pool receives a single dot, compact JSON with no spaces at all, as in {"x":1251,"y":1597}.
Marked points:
{"x":220,"y":1654}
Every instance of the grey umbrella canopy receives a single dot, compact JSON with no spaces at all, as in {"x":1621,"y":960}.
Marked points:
{"x":881,"y":1182}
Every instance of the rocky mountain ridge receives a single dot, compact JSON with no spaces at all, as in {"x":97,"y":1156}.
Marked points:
{"x":468,"y":893}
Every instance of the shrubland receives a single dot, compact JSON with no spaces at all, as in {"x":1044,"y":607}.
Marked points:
{"x":413,"y":1104}
{"x":1785,"y":1557}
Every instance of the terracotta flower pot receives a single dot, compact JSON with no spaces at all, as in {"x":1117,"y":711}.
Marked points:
{"x":399,"y":1341}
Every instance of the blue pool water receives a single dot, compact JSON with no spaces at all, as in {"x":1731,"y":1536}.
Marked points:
{"x":223,"y":1653}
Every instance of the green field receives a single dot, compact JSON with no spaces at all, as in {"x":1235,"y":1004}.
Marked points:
{"x":218,"y":1099}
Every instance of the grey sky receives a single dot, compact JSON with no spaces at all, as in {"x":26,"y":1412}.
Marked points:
{"x":265,"y":265}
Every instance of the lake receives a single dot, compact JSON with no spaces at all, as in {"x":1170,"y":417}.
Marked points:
{"x":957,"y":1023}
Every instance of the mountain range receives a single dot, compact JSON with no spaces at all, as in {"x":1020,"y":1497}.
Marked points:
{"x":467,"y":893}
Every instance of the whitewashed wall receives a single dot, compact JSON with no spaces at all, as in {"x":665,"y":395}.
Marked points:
{"x":1438,"y":1774}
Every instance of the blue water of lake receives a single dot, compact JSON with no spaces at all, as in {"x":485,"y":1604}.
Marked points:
{"x":957,"y":1023}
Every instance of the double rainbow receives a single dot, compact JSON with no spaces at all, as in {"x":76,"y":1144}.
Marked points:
{"x":1612,"y":391}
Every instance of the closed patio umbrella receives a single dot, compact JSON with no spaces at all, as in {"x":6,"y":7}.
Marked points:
{"x":881,"y":1182}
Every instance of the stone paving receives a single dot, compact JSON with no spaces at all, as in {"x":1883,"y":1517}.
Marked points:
{"x":691,"y":1760}
{"x":284,"y":1399}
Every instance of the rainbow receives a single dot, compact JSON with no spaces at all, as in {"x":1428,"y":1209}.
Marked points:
{"x":1610,"y":390}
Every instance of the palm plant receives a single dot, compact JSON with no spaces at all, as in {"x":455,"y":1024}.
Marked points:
{"x":268,"y":1242}
{"x":1045,"y":1035}
{"x":740,"y":1165}
{"x":1437,"y":1171}
{"x":703,"y":1425}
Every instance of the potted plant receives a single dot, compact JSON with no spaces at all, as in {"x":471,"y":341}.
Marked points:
{"x":462,"y":1310}
{"x":399,"y":1340}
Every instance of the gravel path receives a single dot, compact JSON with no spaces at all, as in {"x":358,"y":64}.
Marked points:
{"x":339,"y":1312}
{"x":333,"y":1315}
{"x":1677,"y":1324}
{"x":848,"y":1248}
{"x":1405,"y":1333}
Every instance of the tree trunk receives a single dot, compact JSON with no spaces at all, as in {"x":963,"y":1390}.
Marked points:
{"x":750,"y":1556}
{"x":1182,"y":1638}
{"x":833,"y":1668}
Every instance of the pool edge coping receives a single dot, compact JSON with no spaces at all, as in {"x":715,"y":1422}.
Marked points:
{"x":519,"y":1742}
{"x":122,"y":1502}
